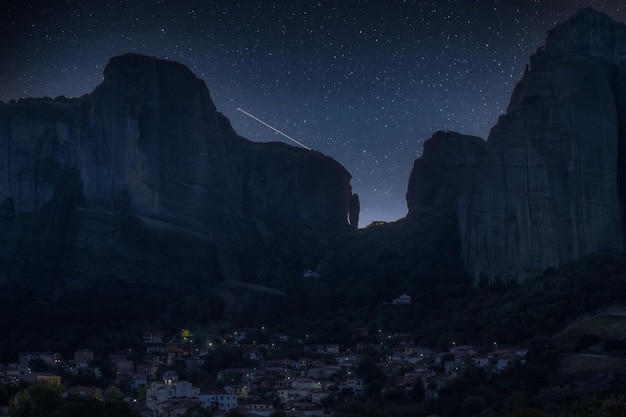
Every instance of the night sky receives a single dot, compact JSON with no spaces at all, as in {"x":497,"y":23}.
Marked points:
{"x":365,"y":82}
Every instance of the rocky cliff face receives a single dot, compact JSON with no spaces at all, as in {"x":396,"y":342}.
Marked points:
{"x":447,"y":161}
{"x":146,"y":177}
{"x":548,"y":189}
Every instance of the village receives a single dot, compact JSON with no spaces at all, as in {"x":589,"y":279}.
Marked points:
{"x":271,"y":372}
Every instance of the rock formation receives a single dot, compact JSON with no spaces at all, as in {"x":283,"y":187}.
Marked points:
{"x":448,"y":159}
{"x":145,"y":176}
{"x":548,"y":189}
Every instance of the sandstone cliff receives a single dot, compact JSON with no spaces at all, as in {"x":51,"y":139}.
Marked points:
{"x":145,"y":176}
{"x":548,"y":189}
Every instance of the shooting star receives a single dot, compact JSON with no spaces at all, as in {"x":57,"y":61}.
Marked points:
{"x":273,"y":128}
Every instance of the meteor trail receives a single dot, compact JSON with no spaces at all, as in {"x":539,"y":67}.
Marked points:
{"x":273,"y":128}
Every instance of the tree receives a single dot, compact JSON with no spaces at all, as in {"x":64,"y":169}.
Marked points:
{"x":113,"y":393}
{"x":80,"y":406}
{"x":198,"y":411}
{"x":36,"y":401}
{"x":39,"y":365}
{"x":234,"y":413}
{"x":417,"y":392}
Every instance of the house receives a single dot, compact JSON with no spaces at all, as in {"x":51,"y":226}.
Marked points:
{"x":94,"y":392}
{"x":292,"y":394}
{"x":359,"y":332}
{"x":521,"y":352}
{"x":304,"y":364}
{"x":83,"y":357}
{"x":152,"y":337}
{"x":451,"y":367}
{"x":406,"y":350}
{"x":147,"y":368}
{"x":419,"y":374}
{"x":269,"y":383}
{"x":281,"y":337}
{"x":504,"y":361}
{"x":9,"y":374}
{"x":242,"y":391}
{"x":176,"y":406}
{"x":464,"y":351}
{"x":304,"y":409}
{"x":156,"y":348}
{"x":284,"y":363}
{"x":322,"y":372}
{"x":354,"y":384}
{"x":366,"y":346}
{"x":219,"y":400}
{"x":327,"y":349}
{"x":124,"y":365}
{"x":306,"y":383}
{"x":392,"y":367}
{"x":413,"y":360}
{"x":309,"y":274}
{"x":411,"y":378}
{"x":438,"y":358}
{"x":317,"y":396}
{"x":347,"y":361}
{"x":171,"y":387}
{"x":231,"y":375}
{"x":403,"y":299}
{"x":253,"y":354}
{"x":257,"y":407}
{"x":137,"y":381}
{"x":481,"y":360}
{"x":48,"y":378}
{"x":276,"y":371}
{"x":494,"y":354}
{"x":50,"y":358}
{"x":193,"y":362}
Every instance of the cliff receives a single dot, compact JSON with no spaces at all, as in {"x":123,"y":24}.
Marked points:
{"x":145,"y":176}
{"x":549,"y":188}
{"x":447,"y":161}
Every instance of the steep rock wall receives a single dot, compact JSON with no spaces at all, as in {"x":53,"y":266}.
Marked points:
{"x":144,"y":179}
{"x":549,"y":185}
{"x":447,"y":162}
{"x":547,"y":191}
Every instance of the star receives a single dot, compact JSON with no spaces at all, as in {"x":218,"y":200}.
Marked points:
{"x":365,"y":83}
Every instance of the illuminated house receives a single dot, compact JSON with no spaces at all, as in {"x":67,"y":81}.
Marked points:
{"x":171,"y":387}
{"x":48,"y":378}
{"x":50,"y":358}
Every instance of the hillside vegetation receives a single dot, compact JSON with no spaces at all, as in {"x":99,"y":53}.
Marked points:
{"x":323,"y":283}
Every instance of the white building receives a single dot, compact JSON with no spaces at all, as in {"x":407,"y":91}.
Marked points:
{"x":171,"y":387}
{"x":50,"y":358}
{"x":219,"y":400}
{"x":403,"y":299}
{"x":354,"y":384}
{"x":318,"y":396}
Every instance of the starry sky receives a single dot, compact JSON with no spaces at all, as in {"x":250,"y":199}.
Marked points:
{"x":365,"y":82}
